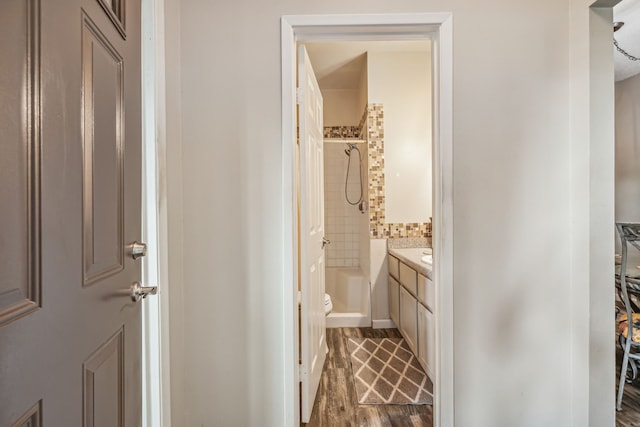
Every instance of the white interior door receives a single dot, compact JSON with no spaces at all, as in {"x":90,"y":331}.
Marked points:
{"x":70,"y":142}
{"x":312,"y":316}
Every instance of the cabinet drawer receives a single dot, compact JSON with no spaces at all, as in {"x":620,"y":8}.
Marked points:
{"x":393,"y":267}
{"x":426,"y":292}
{"x":408,"y":278}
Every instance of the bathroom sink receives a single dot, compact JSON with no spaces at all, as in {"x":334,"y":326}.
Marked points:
{"x":427,"y":259}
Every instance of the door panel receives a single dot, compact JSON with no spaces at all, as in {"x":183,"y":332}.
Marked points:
{"x":312,"y":317}
{"x":103,"y":388}
{"x":31,"y":418}
{"x":102,"y":93}
{"x":19,"y":160}
{"x":69,"y":206}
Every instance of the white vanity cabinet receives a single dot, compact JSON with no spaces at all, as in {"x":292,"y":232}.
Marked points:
{"x":412,"y":307}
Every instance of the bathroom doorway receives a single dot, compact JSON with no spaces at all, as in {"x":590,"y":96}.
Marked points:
{"x":377,"y":158}
{"x":435,"y":28}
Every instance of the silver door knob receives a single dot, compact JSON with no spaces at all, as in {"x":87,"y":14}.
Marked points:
{"x":325,"y":242}
{"x":137,"y":250}
{"x":139,"y":292}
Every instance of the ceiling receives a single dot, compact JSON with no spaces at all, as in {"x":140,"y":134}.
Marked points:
{"x":628,"y":37}
{"x":339,"y":65}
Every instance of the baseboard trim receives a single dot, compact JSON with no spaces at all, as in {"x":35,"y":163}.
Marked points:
{"x":347,"y":320}
{"x":383,"y":324}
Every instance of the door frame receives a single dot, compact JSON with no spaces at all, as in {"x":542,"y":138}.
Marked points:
{"x":439,"y":28}
{"x":155,"y":310}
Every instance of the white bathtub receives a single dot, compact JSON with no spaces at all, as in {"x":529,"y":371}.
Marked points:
{"x":349,"y":291}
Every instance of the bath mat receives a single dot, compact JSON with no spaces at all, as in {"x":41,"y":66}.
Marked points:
{"x":385,"y":371}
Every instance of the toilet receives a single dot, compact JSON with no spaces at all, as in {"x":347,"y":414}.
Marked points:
{"x":328,"y":305}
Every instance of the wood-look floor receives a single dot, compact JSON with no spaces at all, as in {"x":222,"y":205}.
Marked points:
{"x":630,"y":414}
{"x":336,"y":403}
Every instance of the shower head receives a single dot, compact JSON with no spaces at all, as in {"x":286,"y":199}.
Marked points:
{"x":350,"y":147}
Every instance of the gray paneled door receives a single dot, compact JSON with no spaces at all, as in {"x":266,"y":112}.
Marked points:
{"x":70,"y":161}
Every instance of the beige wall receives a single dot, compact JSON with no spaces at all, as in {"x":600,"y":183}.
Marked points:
{"x":341,"y":107}
{"x":363,"y":90}
{"x":525,"y":202}
{"x":401,"y":82}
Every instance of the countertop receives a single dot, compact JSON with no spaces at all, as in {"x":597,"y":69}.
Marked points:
{"x":411,"y":257}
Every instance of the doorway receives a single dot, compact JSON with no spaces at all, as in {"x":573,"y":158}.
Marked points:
{"x":436,"y":27}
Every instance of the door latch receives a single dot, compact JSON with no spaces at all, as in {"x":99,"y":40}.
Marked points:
{"x":139,"y":292}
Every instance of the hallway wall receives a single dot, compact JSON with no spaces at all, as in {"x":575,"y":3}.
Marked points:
{"x":628,"y":149}
{"x":524,"y":195}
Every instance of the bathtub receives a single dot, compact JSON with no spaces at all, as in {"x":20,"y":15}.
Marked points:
{"x":349,"y":291}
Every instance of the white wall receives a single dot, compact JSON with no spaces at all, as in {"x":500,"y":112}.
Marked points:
{"x":628,"y":149}
{"x":379,"y":272}
{"x":591,"y":196}
{"x":525,"y":200}
{"x":174,"y":206}
{"x":401,"y":81}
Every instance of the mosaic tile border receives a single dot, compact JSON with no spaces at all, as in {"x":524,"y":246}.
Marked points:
{"x":342,"y":131}
{"x":378,"y":228}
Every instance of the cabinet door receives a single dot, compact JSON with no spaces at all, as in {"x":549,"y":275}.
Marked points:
{"x":423,"y":337}
{"x":409,"y":318}
{"x":426,"y":340}
{"x":431,"y":343}
{"x":394,"y":301}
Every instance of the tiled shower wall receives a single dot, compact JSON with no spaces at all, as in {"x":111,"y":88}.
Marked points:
{"x":342,"y":220}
